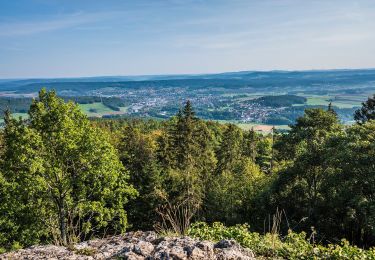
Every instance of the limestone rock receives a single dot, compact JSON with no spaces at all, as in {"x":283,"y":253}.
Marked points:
{"x":138,"y":246}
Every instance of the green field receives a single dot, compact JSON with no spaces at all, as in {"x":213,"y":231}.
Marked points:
{"x":97,"y":110}
{"x":340,"y":101}
{"x":124,"y":109}
{"x":263,"y":128}
{"x":16,"y":115}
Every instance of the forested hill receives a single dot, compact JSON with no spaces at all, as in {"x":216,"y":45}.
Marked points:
{"x":256,"y":79}
{"x":308,"y":193}
{"x":250,"y":97}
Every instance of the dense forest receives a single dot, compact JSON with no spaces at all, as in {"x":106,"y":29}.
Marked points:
{"x":65,"y":178}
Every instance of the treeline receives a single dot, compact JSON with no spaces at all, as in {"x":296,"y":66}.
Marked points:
{"x":280,"y":101}
{"x":22,"y":104}
{"x":321,"y":174}
{"x":16,"y":105}
{"x":65,"y":179}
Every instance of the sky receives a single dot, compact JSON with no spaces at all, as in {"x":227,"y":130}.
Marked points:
{"x":74,"y":38}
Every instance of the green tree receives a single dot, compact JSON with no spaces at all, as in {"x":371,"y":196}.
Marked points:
{"x":138,"y":154}
{"x":187,"y":155}
{"x":230,"y":150}
{"x":230,"y":194}
{"x":66,"y":175}
{"x":302,"y":181}
{"x":250,"y":143}
{"x":350,"y":187}
{"x":182,"y":135}
{"x":366,"y":112}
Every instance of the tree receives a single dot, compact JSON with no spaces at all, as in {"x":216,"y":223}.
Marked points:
{"x":138,"y":154}
{"x":182,"y":136}
{"x":350,"y":187}
{"x":305,"y":152}
{"x":186,"y":153}
{"x":230,"y":150}
{"x":366,"y":112}
{"x":251,"y":140}
{"x":66,"y":173}
{"x":230,"y":194}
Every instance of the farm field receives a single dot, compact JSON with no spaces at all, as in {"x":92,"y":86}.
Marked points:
{"x":259,"y":127}
{"x":340,"y":101}
{"x":98,"y":110}
{"x":261,"y":99}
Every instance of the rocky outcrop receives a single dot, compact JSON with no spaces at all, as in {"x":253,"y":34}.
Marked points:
{"x":138,"y":245}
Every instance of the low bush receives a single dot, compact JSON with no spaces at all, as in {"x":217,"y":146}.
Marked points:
{"x":292,"y":246}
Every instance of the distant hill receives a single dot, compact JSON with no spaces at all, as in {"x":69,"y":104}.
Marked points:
{"x":255,"y":79}
{"x":261,"y":97}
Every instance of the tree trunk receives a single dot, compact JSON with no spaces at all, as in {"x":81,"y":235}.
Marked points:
{"x":62,"y":224}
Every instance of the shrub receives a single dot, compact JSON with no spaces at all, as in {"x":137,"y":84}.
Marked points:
{"x":292,"y":246}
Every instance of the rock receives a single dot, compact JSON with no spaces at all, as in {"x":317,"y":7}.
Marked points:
{"x":132,"y":256}
{"x":137,"y":246}
{"x":230,"y":249}
{"x":143,"y":248}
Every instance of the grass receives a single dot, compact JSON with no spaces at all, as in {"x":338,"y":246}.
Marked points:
{"x":318,"y":100}
{"x":99,"y":109}
{"x":340,"y":101}
{"x":124,"y":109}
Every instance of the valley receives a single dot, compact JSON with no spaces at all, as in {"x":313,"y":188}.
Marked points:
{"x":248,"y":99}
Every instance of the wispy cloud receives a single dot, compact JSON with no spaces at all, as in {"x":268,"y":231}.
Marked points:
{"x":51,"y":24}
{"x":344,"y":38}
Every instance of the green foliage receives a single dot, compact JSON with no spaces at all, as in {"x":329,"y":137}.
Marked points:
{"x":302,"y":182}
{"x":281,"y":101}
{"x":366,"y":112}
{"x":230,"y":194}
{"x":292,"y":246}
{"x":62,"y":179}
{"x":230,"y":149}
{"x":138,"y":154}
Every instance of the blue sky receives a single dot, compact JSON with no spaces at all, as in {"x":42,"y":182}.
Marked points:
{"x":66,"y":38}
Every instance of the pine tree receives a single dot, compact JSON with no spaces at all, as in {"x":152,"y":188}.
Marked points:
{"x":183,"y":143}
{"x":230,"y":149}
{"x":138,"y":154}
{"x":250,"y":144}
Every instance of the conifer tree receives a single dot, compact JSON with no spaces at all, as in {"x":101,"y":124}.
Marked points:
{"x":138,"y":154}
{"x":230,"y":150}
{"x":250,"y":144}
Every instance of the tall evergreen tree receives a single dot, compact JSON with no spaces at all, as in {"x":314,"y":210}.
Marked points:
{"x":230,"y":150}
{"x":138,"y":154}
{"x":250,"y":144}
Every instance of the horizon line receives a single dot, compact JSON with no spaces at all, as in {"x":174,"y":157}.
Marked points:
{"x":187,"y":74}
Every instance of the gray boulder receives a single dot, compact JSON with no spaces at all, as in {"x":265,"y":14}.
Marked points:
{"x":137,"y":246}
